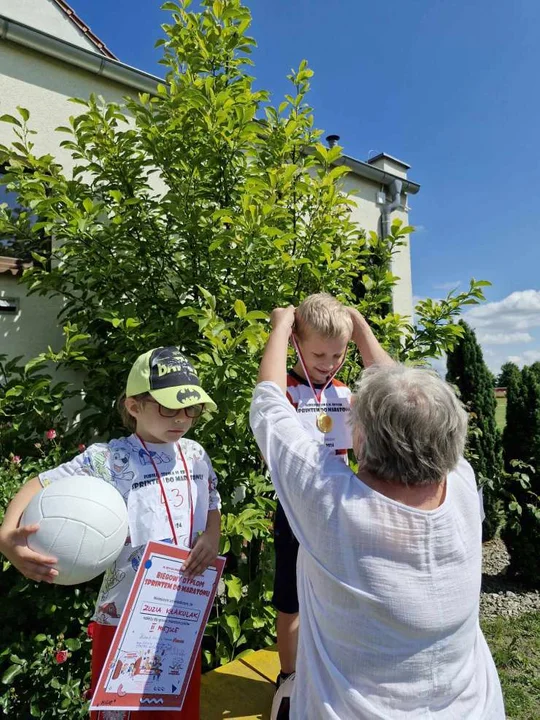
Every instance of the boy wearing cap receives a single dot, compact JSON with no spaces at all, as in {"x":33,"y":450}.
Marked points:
{"x":169,"y":486}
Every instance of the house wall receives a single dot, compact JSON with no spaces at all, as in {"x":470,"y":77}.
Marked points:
{"x":46,"y":16}
{"x":368,"y":216}
{"x":42,"y":85}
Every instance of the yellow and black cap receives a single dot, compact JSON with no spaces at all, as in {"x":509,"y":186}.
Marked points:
{"x":168,"y":376}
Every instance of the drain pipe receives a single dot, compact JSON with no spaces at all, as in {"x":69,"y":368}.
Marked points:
{"x":388,"y":208}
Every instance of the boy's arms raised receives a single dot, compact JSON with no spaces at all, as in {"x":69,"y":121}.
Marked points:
{"x":369,"y":347}
{"x":274,"y":362}
{"x":13,"y":538}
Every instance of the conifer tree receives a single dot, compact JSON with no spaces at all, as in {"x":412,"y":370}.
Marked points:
{"x":467,"y":370}
{"x":514,"y":439}
{"x":508,"y":371}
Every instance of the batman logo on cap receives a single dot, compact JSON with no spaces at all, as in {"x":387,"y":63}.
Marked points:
{"x":191,"y":394}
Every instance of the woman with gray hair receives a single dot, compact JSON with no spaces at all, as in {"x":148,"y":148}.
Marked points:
{"x":389,"y":566}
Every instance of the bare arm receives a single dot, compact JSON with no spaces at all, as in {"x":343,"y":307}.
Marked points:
{"x":13,"y":539}
{"x":273,"y":366}
{"x":369,"y":347}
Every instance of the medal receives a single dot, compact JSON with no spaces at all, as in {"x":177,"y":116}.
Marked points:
{"x":324,"y":422}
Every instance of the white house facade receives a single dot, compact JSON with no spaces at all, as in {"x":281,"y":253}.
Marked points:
{"x":48,"y":55}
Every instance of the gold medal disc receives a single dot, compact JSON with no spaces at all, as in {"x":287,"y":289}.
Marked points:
{"x":324,"y":422}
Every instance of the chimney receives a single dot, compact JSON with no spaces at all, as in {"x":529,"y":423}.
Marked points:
{"x":332,"y":140}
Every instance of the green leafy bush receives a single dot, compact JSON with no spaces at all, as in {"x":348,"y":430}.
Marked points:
{"x":521,"y":533}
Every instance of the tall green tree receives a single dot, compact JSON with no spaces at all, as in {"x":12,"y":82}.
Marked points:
{"x":508,"y":371}
{"x":521,"y":441}
{"x":530,"y":450}
{"x":467,"y":370}
{"x":515,"y":433}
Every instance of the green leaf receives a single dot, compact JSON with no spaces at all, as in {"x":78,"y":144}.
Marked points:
{"x":240,"y":308}
{"x":234,"y":625}
{"x":234,"y":588}
{"x":256,"y":315}
{"x":23,"y":112}
{"x":11,"y":673}
{"x":10,"y":119}
{"x":73,"y":644}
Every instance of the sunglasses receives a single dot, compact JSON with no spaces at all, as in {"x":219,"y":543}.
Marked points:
{"x":192,"y":411}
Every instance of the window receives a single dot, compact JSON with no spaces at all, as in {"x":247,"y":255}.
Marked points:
{"x":9,"y":306}
{"x":22,"y":245}
{"x":7,"y":244}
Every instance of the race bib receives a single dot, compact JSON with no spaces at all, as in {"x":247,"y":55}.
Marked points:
{"x":147,"y":513}
{"x":339,"y":437}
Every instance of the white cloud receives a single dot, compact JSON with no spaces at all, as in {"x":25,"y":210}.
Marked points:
{"x":525,"y":358}
{"x":516,"y":312}
{"x":506,"y":327}
{"x":504,"y":338}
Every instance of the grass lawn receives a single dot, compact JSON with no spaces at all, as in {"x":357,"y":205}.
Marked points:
{"x":515,"y":645}
{"x":500,"y":413}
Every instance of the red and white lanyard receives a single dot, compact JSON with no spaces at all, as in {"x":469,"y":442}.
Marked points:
{"x":164,"y":494}
{"x":318,"y":398}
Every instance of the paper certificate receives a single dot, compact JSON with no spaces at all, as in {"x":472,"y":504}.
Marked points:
{"x":157,"y":642}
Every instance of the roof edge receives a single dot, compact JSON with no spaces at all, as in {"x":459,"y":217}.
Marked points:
{"x":21,"y":34}
{"x":14,"y":266}
{"x":83,"y":27}
{"x":386,"y":156}
{"x":371,"y":172}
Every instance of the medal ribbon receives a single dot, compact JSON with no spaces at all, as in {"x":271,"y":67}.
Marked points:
{"x":164,"y":494}
{"x":318,"y":398}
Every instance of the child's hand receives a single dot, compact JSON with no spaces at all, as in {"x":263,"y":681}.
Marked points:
{"x":283,"y":317}
{"x":204,"y":553}
{"x":33,"y":565}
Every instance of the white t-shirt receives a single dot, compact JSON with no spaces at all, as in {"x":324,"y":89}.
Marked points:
{"x":125,"y":464}
{"x":335,"y":401}
{"x":389,"y":594}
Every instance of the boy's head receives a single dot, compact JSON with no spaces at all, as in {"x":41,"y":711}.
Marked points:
{"x":163,"y":395}
{"x":323,"y":328}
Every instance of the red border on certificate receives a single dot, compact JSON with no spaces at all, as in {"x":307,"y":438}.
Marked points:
{"x":121,"y":700}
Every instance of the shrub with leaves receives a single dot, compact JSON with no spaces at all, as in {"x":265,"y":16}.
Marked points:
{"x":44,"y":650}
{"x":189,"y":215}
{"x":521,"y":532}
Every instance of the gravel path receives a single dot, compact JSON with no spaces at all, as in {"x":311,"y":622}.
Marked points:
{"x":499,"y":595}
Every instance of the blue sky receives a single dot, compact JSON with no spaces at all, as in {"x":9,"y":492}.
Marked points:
{"x":449,"y":87}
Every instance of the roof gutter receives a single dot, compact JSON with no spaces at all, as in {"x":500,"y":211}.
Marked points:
{"x":42,"y":42}
{"x":377,"y":175}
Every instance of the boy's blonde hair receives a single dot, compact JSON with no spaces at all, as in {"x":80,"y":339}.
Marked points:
{"x":324,"y":315}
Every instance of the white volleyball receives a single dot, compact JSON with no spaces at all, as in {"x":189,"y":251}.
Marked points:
{"x":82,"y":522}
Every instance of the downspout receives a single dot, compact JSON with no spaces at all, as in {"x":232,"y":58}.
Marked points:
{"x":387,"y":209}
